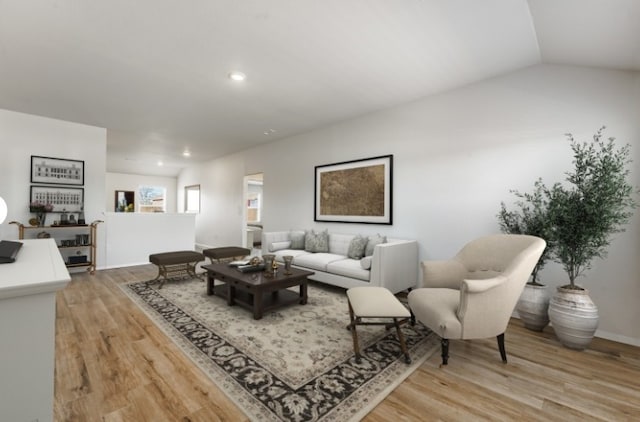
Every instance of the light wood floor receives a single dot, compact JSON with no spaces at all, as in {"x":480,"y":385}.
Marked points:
{"x":114,"y":364}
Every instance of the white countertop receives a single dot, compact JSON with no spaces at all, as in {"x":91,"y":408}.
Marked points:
{"x":38,"y":268}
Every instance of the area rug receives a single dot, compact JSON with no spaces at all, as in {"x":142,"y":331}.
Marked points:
{"x":294,"y":364}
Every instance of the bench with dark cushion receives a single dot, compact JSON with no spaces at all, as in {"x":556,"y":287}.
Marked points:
{"x":219,"y":255}
{"x":175,"y":263}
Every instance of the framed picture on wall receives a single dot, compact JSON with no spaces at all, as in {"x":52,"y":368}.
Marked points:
{"x":358,"y":191}
{"x":58,"y":171}
{"x":62,"y":199}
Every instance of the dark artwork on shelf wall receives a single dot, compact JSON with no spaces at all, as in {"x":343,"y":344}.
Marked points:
{"x":358,"y":191}
{"x":124,"y":201}
{"x":61,"y":198}
{"x":58,"y":171}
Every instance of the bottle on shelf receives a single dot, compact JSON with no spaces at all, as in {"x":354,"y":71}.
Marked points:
{"x":81,"y":219}
{"x":64,"y":217}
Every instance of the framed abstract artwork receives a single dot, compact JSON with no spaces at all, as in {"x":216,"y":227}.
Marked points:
{"x":358,"y":191}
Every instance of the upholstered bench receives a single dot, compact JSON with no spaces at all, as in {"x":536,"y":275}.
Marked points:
{"x":379,"y":304}
{"x":172,"y":264}
{"x":225,"y":253}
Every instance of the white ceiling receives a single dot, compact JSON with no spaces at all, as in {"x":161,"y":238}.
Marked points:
{"x":154,"y":72}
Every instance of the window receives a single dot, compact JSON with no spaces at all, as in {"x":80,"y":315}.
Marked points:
{"x":152,"y":199}
{"x":192,"y":199}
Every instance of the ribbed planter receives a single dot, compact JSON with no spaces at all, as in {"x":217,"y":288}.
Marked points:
{"x":533,"y":307}
{"x":574,"y":317}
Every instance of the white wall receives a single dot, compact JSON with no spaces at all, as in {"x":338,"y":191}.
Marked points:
{"x":121,"y":181}
{"x":456,"y":156}
{"x":132,"y":237}
{"x":23,"y":135}
{"x":220,"y":221}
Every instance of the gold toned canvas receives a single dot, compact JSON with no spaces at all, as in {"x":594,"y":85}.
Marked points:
{"x":357,"y":191}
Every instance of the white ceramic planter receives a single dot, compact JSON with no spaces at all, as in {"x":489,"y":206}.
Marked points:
{"x":574,"y":317}
{"x":533,"y":307}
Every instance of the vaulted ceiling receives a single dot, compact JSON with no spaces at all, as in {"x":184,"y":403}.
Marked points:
{"x":155,"y":72}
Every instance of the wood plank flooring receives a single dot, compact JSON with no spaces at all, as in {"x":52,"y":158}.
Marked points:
{"x":113,"y":364}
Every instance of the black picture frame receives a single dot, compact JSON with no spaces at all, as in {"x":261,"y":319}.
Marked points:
{"x":57,"y":171}
{"x":62,"y":198}
{"x":357,"y":191}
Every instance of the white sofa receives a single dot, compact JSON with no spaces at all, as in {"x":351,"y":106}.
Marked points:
{"x":393,"y":264}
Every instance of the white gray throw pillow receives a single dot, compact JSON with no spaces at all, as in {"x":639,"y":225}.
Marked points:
{"x":373,"y":241}
{"x":297,"y":239}
{"x":357,"y":247}
{"x":316,"y":241}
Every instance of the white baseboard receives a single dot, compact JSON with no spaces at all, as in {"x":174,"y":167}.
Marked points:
{"x":201,"y":246}
{"x":110,"y":267}
{"x":618,"y":338}
{"x":605,"y":335}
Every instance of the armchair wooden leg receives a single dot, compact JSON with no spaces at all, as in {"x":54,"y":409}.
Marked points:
{"x":503,"y":352}
{"x":445,"y":350}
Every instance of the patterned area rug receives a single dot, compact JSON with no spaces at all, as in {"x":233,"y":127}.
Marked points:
{"x":294,"y":364}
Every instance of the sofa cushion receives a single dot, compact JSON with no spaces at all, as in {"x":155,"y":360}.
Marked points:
{"x":373,"y":241}
{"x":316,"y":241}
{"x":356,"y":247}
{"x":348,"y":268}
{"x":317,"y":261}
{"x":297,"y":239}
{"x":339,"y":243}
{"x":276,"y":246}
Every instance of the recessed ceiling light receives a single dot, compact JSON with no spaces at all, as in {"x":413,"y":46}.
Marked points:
{"x":269,"y":132}
{"x":186,"y":153}
{"x":237,"y":76}
{"x":160,"y":163}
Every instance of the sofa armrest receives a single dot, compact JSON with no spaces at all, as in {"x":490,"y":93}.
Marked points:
{"x":394,"y":265}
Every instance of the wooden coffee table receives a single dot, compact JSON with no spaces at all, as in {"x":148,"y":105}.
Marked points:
{"x":257,"y":291}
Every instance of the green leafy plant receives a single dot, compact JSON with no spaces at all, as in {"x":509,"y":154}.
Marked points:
{"x":596,"y":202}
{"x":530,"y":218}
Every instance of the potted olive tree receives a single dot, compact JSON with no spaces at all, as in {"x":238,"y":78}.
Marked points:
{"x":530,"y":217}
{"x":596,"y":201}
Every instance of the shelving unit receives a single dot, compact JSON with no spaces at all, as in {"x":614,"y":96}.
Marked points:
{"x":70,"y":240}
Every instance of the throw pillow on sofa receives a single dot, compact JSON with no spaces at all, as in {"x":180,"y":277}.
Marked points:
{"x":276,"y":246}
{"x":365,"y":262}
{"x":357,"y":247}
{"x":373,"y":241}
{"x":297,"y":239}
{"x":316,"y":242}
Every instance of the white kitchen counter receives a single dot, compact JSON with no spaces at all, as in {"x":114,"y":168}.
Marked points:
{"x":27,"y":330}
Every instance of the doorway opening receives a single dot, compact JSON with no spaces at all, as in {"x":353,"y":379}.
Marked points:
{"x":253,"y":200}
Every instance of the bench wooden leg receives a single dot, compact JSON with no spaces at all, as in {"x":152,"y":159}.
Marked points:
{"x":164,"y":271}
{"x":403,"y":345}
{"x":354,"y":334}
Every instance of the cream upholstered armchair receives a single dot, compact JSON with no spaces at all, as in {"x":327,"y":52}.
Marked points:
{"x":474,"y":294}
